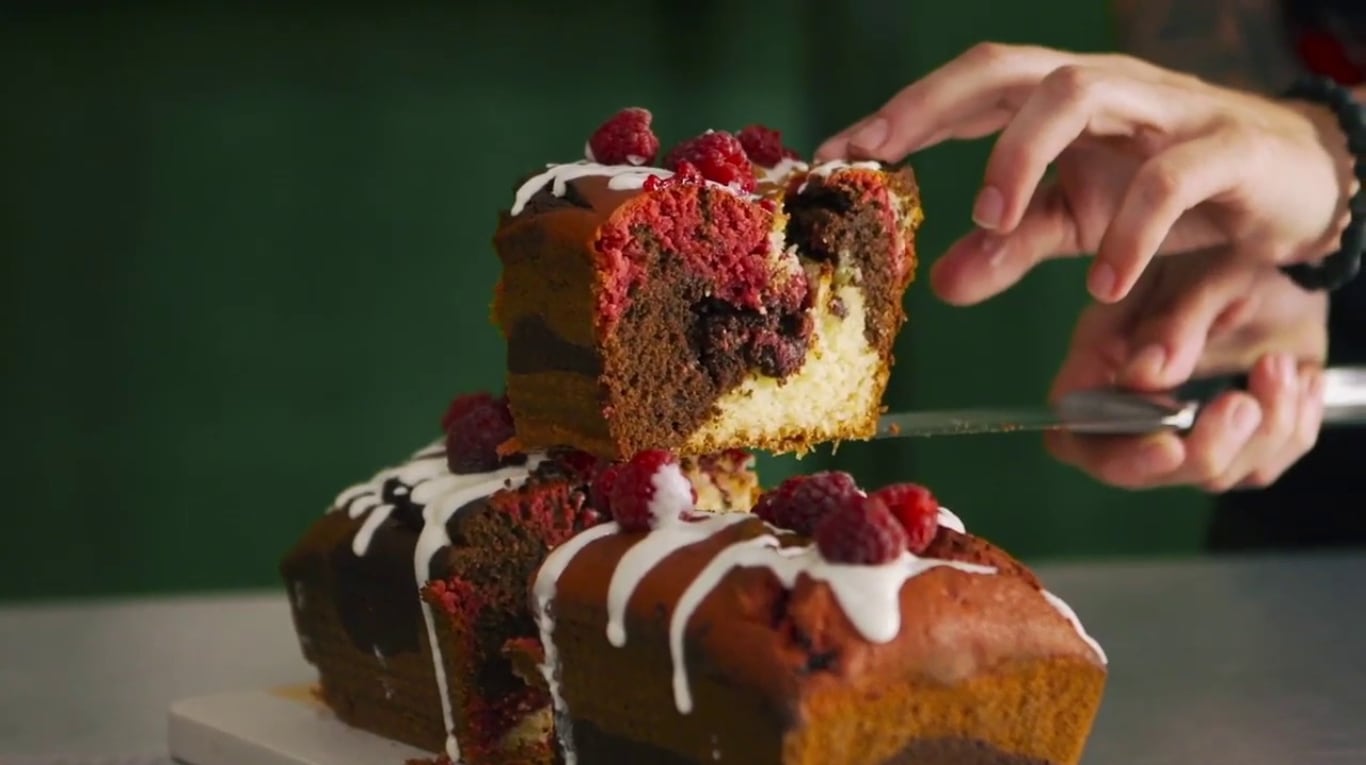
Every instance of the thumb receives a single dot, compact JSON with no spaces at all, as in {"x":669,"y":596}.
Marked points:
{"x":984,"y":264}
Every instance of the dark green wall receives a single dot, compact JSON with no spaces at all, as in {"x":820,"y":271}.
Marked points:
{"x":246,"y":260}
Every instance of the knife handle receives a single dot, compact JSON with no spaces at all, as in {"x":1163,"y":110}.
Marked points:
{"x":1203,"y":390}
{"x":1344,"y":392}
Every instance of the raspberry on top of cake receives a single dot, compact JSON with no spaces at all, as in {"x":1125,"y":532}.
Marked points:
{"x":730,"y":296}
{"x":830,"y":625}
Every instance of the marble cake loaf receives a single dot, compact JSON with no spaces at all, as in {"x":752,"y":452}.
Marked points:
{"x":829,"y":626}
{"x":409,"y":594}
{"x":734,"y":297}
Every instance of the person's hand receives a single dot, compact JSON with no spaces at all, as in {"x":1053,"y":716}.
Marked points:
{"x":1204,"y":313}
{"x":1147,"y":162}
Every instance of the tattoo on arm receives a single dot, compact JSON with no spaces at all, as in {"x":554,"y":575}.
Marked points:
{"x":1238,"y":43}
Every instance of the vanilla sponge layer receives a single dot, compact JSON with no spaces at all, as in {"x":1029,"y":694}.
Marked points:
{"x":836,"y":394}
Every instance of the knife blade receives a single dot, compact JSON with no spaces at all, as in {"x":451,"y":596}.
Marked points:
{"x":1113,"y":411}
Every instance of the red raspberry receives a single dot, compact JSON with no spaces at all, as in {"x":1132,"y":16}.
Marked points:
{"x":625,"y":139}
{"x":764,"y":145}
{"x":651,"y":490}
{"x":916,"y":509}
{"x":600,"y":491}
{"x":461,"y":405}
{"x":800,"y":502}
{"x":860,"y":532}
{"x":474,"y":435}
{"x":684,"y":175}
{"x":720,"y":158}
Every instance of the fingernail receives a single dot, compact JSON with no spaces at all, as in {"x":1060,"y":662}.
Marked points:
{"x":1102,"y":281}
{"x":871,"y":136}
{"x":1244,"y":416}
{"x":989,"y":207}
{"x":1149,"y":362}
{"x":992,"y":247}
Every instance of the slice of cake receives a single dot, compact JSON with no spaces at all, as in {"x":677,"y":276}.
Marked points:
{"x":733,"y":297}
{"x":409,"y":595}
{"x":830,"y":626}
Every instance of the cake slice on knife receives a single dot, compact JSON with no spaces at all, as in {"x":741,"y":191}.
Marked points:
{"x":730,"y":297}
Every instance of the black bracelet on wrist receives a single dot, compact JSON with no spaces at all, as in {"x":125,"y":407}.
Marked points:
{"x":1340,"y":267}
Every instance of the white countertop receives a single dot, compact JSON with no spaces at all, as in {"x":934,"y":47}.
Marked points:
{"x":1211,"y":662}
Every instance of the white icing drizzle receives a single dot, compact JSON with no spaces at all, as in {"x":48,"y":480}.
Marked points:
{"x":441,"y":498}
{"x":1071,"y":616}
{"x":642,"y":557}
{"x":620,"y":178}
{"x":544,"y":593}
{"x":780,"y":172}
{"x":629,"y":177}
{"x":869,"y":595}
{"x":824,"y":169}
{"x":631,"y":159}
{"x":672,"y":495}
{"x":430,"y":485}
{"x":361,"y":542}
{"x":950,"y":521}
{"x":365,"y":499}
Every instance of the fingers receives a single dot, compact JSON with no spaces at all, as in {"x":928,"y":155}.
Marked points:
{"x":984,"y":264}
{"x":1242,"y":439}
{"x":1165,"y":459}
{"x":1126,"y":462}
{"x":978,"y":81}
{"x":1171,"y":339}
{"x":1098,"y":351}
{"x":1305,"y":418}
{"x":1221,"y":433}
{"x":1165,"y":188}
{"x":1071,"y":101}
{"x":1274,"y":382}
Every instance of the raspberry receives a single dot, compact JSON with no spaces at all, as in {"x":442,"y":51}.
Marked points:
{"x":650,"y":490}
{"x":862,"y":531}
{"x":461,"y":405}
{"x":475,"y":433}
{"x":686,"y":173}
{"x":916,"y":509}
{"x":720,"y":158}
{"x":764,"y":145}
{"x":625,"y":139}
{"x":600,"y":491}
{"x":800,"y":502}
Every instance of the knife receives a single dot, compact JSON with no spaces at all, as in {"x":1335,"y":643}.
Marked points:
{"x":1112,"y":411}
